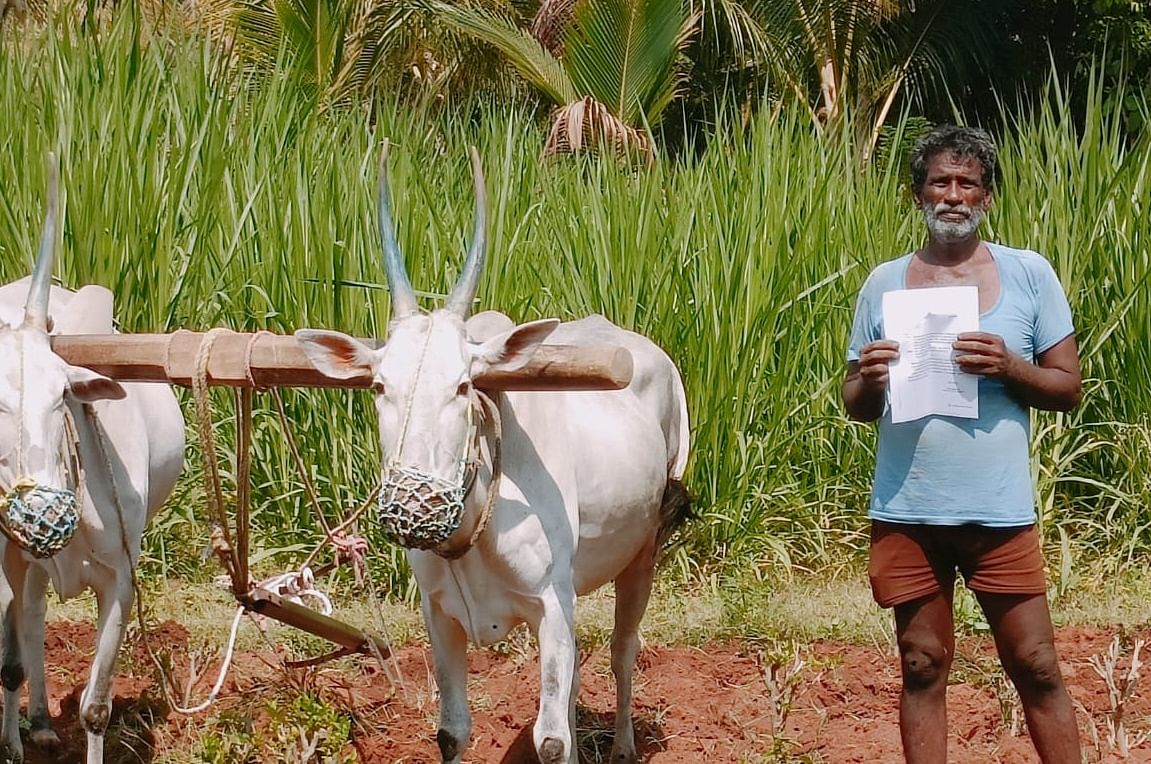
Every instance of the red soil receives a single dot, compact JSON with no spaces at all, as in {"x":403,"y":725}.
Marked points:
{"x":709,"y":704}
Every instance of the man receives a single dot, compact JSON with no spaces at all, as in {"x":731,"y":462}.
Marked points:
{"x":953,"y":493}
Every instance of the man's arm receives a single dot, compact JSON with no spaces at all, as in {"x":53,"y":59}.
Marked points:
{"x":866,"y":382}
{"x":1052,"y":383}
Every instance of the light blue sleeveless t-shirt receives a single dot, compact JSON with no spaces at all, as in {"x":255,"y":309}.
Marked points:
{"x":943,"y":470}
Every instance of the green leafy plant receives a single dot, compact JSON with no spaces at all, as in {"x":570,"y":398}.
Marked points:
{"x":615,"y":76}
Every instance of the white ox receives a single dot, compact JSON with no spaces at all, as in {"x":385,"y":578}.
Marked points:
{"x":130,"y":449}
{"x":590,"y":487}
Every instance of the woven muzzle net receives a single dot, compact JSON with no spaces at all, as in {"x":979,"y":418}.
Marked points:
{"x":40,"y":520}
{"x":419,"y":510}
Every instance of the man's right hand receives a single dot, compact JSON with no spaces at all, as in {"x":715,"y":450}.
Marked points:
{"x":865,"y":387}
{"x":874,"y":363}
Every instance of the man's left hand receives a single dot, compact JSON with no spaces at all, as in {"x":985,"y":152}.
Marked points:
{"x":985,"y":354}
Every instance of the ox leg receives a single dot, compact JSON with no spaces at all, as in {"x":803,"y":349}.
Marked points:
{"x":12,"y":666}
{"x":35,"y":610}
{"x":449,"y":650}
{"x":632,"y":590}
{"x":114,"y":602}
{"x":554,"y":732}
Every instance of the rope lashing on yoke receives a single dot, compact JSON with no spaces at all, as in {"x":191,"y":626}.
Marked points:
{"x":41,"y":519}
{"x":221,"y":536}
{"x":293,"y":586}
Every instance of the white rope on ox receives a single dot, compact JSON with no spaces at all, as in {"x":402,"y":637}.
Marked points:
{"x":102,"y":446}
{"x":39,"y":519}
{"x":420,"y":510}
{"x":295,"y":585}
{"x":489,"y":412}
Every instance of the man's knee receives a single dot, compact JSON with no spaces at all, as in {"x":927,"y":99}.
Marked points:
{"x":925,"y":664}
{"x":1034,"y":669}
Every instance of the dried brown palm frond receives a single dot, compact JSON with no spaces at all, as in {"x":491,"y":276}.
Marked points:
{"x":550,"y":24}
{"x":587,"y":124}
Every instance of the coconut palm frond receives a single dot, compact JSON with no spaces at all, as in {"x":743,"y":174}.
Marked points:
{"x":370,"y":38}
{"x":944,"y":45}
{"x":622,"y":52}
{"x":524,"y":52}
{"x":315,"y":31}
{"x":730,"y":23}
{"x":675,"y":85}
{"x":337,"y":49}
{"x":255,"y":27}
{"x":866,"y":52}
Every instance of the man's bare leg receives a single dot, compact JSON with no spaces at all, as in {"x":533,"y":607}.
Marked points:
{"x":1025,"y":640}
{"x":925,"y":632}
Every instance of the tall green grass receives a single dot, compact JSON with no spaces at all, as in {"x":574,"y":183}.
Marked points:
{"x":202,"y":200}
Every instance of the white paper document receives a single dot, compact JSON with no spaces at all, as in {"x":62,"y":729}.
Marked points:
{"x":925,"y":379}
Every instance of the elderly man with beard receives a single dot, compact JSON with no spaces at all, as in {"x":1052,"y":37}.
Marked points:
{"x":956,"y":494}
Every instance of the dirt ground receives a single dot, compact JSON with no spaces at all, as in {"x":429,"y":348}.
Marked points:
{"x":831,"y":702}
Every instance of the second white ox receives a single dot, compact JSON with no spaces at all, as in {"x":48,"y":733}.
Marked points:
{"x":71,"y":438}
{"x":588,"y":487}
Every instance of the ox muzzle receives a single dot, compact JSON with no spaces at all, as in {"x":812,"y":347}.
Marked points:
{"x":38,"y":519}
{"x":419,"y":510}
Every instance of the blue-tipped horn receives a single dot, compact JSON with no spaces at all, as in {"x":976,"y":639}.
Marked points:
{"x":403,"y":297}
{"x":36,"y":309}
{"x":464,"y":293}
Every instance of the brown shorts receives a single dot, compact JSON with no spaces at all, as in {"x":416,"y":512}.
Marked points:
{"x":912,"y":561}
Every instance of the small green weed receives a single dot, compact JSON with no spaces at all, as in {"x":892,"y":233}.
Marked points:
{"x":302,"y":730}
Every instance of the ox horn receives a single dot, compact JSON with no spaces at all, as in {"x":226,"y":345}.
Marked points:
{"x":36,"y":309}
{"x":403,"y":297}
{"x":460,"y":301}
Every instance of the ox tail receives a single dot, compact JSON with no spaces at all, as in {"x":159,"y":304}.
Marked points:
{"x":675,"y":510}
{"x":676,"y":507}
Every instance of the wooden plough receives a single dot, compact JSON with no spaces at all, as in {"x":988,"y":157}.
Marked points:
{"x":266,"y":360}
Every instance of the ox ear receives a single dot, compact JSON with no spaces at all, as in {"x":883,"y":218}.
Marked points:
{"x":87,"y":386}
{"x":335,"y":354}
{"x":511,"y":350}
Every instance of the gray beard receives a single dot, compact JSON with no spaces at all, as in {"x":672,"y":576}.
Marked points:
{"x":946,"y":231}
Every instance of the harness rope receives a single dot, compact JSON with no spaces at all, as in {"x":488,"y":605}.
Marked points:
{"x":221,"y":535}
{"x":39,"y":519}
{"x":296,"y":585}
{"x":292,"y":586}
{"x":420,"y":510}
{"x":496,"y":449}
{"x":102,"y":446}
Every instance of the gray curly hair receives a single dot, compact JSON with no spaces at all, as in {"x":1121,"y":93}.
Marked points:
{"x":960,"y":142}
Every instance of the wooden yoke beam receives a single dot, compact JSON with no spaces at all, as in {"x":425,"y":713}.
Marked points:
{"x":277,"y":361}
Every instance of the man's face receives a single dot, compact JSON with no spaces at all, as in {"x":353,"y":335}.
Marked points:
{"x":953,"y":198}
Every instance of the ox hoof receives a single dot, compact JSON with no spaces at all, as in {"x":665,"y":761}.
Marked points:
{"x":42,"y":735}
{"x":450,"y":748}
{"x":9,"y":755}
{"x":620,"y":756}
{"x":552,"y":751}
